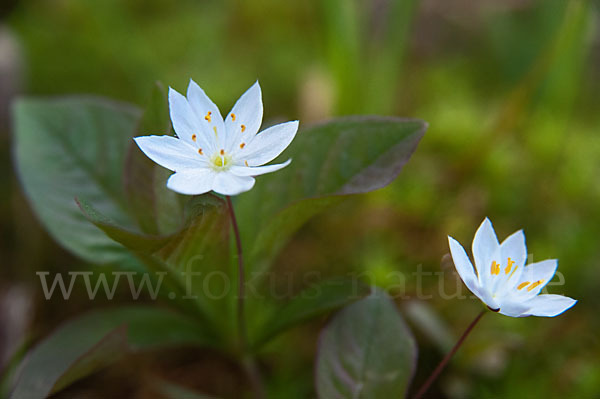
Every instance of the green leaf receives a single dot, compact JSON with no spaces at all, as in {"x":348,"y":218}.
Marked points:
{"x":193,"y":257}
{"x":315,"y":301}
{"x":72,"y":147}
{"x":97,"y":339}
{"x":366,"y":352}
{"x":329,"y":162}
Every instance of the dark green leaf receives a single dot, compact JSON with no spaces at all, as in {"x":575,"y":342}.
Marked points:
{"x":94,"y":340}
{"x":75,"y":147}
{"x":330,"y":161}
{"x":315,"y":301}
{"x":366,"y":352}
{"x":195,"y":257}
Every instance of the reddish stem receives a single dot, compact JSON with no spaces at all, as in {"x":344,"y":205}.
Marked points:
{"x":248,"y":361}
{"x":425,"y":387}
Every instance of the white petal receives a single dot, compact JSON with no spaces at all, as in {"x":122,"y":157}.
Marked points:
{"x":268,"y":144}
{"x":208,"y":115}
{"x":485,"y":249}
{"x":186,"y":124}
{"x":169,"y":152}
{"x":536,"y":272}
{"x":192,"y":181}
{"x":229,"y":184}
{"x":247,"y":112}
{"x":463,"y":265}
{"x":513,"y":308}
{"x":549,"y":305}
{"x":513,"y":248}
{"x":258,"y":170}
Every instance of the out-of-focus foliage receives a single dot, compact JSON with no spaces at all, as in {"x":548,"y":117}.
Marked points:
{"x":509,"y":89}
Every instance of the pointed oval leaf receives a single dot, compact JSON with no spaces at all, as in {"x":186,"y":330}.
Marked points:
{"x":346,"y":156}
{"x":97,"y":339}
{"x":71,"y":147}
{"x":366,"y":352}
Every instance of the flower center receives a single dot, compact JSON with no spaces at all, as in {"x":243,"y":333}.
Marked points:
{"x":220,"y":161}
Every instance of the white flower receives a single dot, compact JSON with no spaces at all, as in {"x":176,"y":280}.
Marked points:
{"x":212,"y":154}
{"x":501,"y":279}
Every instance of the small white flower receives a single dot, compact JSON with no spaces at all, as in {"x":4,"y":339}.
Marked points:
{"x":501,"y":279}
{"x":212,"y":154}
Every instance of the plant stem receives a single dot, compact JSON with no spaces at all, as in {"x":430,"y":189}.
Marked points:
{"x":425,"y":387}
{"x":248,"y":361}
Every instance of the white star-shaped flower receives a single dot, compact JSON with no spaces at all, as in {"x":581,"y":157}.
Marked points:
{"x":215,"y":154}
{"x":501,"y":279}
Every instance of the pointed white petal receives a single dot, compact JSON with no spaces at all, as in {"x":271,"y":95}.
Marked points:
{"x":463,"y":265}
{"x":549,"y":305}
{"x":268,"y":144}
{"x":514,"y":247}
{"x":258,"y":170}
{"x":192,"y":181}
{"x":186,"y":123}
{"x":537,"y":275}
{"x":229,"y":184}
{"x":244,"y":120}
{"x":485,"y":250}
{"x":169,"y":152}
{"x":513,"y":251}
{"x":208,"y":115}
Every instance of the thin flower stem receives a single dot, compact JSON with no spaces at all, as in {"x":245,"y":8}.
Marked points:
{"x":425,"y":387}
{"x":248,"y":361}
{"x":241,"y":317}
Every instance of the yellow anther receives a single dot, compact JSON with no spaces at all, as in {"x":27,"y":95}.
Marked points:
{"x":194,"y":137}
{"x":533,"y":285}
{"x":513,"y":272}
{"x":242,"y":145}
{"x":243,"y":128}
{"x":246,"y":162}
{"x":233,"y":117}
{"x":495,"y":269}
{"x":200,"y":151}
{"x":523,"y":285}
{"x":509,"y":266}
{"x":208,"y":116}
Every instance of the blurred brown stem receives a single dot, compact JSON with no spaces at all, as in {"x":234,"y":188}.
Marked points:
{"x":425,"y":387}
{"x":248,"y":361}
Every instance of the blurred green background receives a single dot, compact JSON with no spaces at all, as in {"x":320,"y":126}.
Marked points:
{"x":510,"y":90}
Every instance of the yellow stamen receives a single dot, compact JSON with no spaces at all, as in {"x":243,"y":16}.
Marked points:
{"x":242,"y":145}
{"x":495,"y":269}
{"x":523,"y":285}
{"x":222,"y":152}
{"x":513,"y":272}
{"x":243,"y":128}
{"x":208,"y":116}
{"x":533,"y":285}
{"x":509,"y":266}
{"x":246,"y":162}
{"x":200,"y":151}
{"x":215,"y":130}
{"x":233,"y":117}
{"x":194,"y":137}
